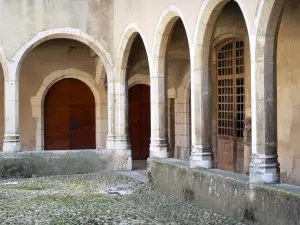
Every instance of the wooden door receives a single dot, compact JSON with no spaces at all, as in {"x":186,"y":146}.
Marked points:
{"x":69,"y":116}
{"x":230,"y":106}
{"x":139,"y":121}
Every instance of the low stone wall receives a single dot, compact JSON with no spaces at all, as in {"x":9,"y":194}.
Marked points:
{"x":227,"y":193}
{"x":43,"y":163}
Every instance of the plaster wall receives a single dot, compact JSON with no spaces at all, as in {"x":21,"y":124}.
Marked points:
{"x":146,"y":15}
{"x":288,"y":101}
{"x":60,"y":54}
{"x":29,"y":17}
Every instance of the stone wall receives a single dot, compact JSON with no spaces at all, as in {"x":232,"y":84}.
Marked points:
{"x":288,"y":101}
{"x":27,"y":18}
{"x":227,"y":193}
{"x":39,"y":163}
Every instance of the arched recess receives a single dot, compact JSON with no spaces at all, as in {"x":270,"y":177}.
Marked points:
{"x":127,"y":39}
{"x":37,"y":102}
{"x":264,"y":164}
{"x":130,"y":34}
{"x":14,"y":66}
{"x":201,"y":80}
{"x":161,"y":107}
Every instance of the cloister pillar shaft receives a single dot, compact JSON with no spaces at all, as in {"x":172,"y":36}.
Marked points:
{"x":201,"y":154}
{"x":11,"y":142}
{"x":264,"y":166}
{"x":159,"y":104}
{"x":110,"y":140}
{"x":122,"y":142}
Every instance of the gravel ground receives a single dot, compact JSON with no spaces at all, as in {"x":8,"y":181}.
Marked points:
{"x":84,"y":199}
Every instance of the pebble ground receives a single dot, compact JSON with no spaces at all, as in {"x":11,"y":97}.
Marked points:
{"x":84,"y":199}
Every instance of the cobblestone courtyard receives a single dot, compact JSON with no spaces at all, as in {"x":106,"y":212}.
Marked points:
{"x":90,"y":199}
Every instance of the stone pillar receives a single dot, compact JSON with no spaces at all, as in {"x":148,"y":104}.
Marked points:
{"x":159,"y":112}
{"x":201,"y":154}
{"x":264,"y":166}
{"x":247,"y":145}
{"x":11,"y":142}
{"x":122,"y":142}
{"x":110,"y":140}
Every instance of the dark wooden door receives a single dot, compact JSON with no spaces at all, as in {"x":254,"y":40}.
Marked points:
{"x":69,"y":116}
{"x":139,"y":121}
{"x":230,"y":106}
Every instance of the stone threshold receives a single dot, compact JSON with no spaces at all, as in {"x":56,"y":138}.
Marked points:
{"x":227,"y":193}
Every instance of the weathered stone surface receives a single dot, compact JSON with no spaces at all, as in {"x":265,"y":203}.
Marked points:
{"x":40,"y":163}
{"x":85,"y":199}
{"x":227,"y":193}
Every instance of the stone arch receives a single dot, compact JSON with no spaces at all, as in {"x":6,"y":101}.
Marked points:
{"x":163,"y":28}
{"x":201,"y":80}
{"x":127,"y":38}
{"x":3,"y":63}
{"x":68,"y":33}
{"x":138,"y":79}
{"x":37,"y":101}
{"x":207,"y":16}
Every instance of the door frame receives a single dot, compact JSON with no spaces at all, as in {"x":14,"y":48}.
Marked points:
{"x":136,"y":80}
{"x":37,"y":102}
{"x":216,"y":48}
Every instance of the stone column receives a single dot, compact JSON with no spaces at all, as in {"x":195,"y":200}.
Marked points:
{"x":264,"y":166}
{"x":11,"y":142}
{"x":159,"y":109}
{"x":122,"y":142}
{"x":110,"y":140}
{"x":201,"y":154}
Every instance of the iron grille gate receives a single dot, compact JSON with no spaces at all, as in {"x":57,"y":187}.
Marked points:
{"x":230,"y":105}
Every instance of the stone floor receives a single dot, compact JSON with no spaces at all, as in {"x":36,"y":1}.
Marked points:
{"x":100,"y":198}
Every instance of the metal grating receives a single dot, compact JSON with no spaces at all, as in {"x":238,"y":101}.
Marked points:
{"x":231,"y":90}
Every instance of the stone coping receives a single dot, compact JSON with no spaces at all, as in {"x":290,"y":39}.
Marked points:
{"x":228,"y":193}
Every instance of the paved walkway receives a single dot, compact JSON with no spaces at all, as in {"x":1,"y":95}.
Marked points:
{"x":100,"y":198}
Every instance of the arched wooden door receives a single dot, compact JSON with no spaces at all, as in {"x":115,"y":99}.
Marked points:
{"x":230,"y":106}
{"x":139,"y":121}
{"x":69,"y":116}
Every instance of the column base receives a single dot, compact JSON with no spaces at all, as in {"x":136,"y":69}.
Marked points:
{"x":123,"y":153}
{"x":201,"y":157}
{"x":159,"y":148}
{"x":110,"y":142}
{"x":264,"y":169}
{"x":11,"y":143}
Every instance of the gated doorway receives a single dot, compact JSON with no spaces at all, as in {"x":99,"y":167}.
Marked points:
{"x":69,"y":116}
{"x":230,"y":106}
{"x":139,"y":121}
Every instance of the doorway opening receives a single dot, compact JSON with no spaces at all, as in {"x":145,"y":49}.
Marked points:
{"x":69,"y":116}
{"x":139,"y":121}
